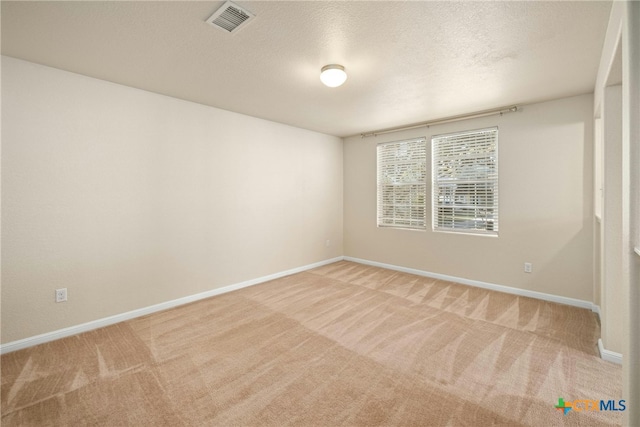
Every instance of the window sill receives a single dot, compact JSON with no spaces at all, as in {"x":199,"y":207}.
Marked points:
{"x":395,"y":227}
{"x":466,"y":233}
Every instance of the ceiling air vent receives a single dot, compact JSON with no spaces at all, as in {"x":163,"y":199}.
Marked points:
{"x":230,"y":17}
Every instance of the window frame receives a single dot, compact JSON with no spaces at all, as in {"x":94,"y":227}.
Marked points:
{"x":469,"y":192}
{"x":412,"y":222}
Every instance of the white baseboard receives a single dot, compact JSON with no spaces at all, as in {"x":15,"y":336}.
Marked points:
{"x":500,"y":288}
{"x":605,"y":354}
{"x":95,"y":324}
{"x":608,"y":355}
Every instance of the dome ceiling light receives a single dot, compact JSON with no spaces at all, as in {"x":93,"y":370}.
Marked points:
{"x":333,"y":75}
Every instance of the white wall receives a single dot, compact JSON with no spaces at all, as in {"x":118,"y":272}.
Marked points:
{"x":546,"y":205}
{"x":129,"y":198}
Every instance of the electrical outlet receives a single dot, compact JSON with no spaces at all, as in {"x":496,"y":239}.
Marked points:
{"x":327,"y":243}
{"x":61,"y":295}
{"x":528,"y":267}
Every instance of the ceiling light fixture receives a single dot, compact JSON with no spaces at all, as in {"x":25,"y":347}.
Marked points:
{"x":333,"y":75}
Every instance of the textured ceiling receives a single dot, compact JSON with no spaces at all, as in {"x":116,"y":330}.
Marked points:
{"x":407,"y":61}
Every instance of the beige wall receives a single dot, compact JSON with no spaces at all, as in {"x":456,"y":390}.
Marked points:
{"x":613,"y":289}
{"x":546,"y":205}
{"x":631,"y":121}
{"x":129,"y":198}
{"x":621,"y":325}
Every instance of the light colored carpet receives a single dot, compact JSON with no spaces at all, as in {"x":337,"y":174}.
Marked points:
{"x":344,"y":344}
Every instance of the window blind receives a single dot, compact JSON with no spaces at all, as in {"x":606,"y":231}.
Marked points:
{"x":402,"y":184}
{"x":465,"y":181}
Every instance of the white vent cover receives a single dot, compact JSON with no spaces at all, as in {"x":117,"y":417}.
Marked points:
{"x":230,"y":17}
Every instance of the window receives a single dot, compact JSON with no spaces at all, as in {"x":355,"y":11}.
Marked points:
{"x":402,"y":184}
{"x":465,"y":181}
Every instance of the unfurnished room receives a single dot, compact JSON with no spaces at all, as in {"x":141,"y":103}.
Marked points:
{"x":320,"y":213}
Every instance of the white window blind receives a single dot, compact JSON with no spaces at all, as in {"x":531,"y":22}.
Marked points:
{"x":402,"y":184}
{"x":465,"y":181}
